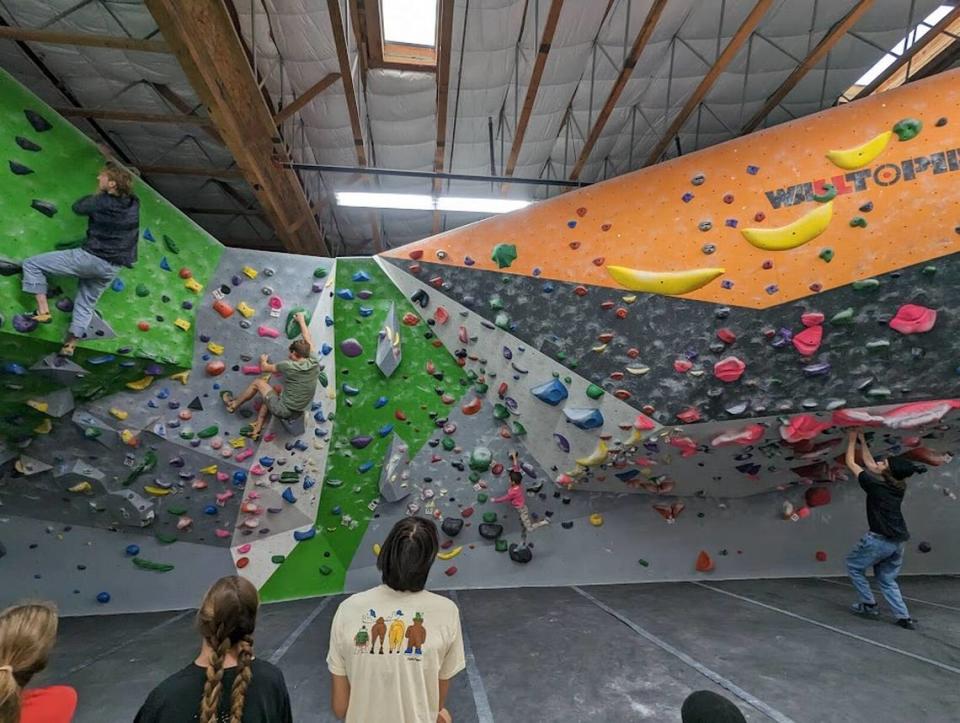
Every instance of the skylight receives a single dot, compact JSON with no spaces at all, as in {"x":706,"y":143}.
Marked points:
{"x":409,"y":22}
{"x":897,"y":50}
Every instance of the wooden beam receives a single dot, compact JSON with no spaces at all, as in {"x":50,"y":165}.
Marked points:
{"x":171,"y":96}
{"x":202,"y":171}
{"x":213,"y":58}
{"x":350,"y":95}
{"x":445,"y":40}
{"x":729,"y":53}
{"x":880,"y":82}
{"x":639,"y":43}
{"x":813,"y":57}
{"x":309,"y":94}
{"x":83,"y":39}
{"x":553,"y":17}
{"x":133,"y":117}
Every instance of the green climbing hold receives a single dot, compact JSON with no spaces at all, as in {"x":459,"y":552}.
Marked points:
{"x":643,"y":562}
{"x":858,"y":222}
{"x":489,"y":517}
{"x":177,"y":511}
{"x":561,"y":355}
{"x":142,"y":290}
{"x":496,"y":303}
{"x":879,"y":392}
{"x":448,"y":443}
{"x":474,"y":477}
{"x":928,"y":270}
{"x":878,"y":345}
{"x":502,"y":319}
{"x":481,"y":388}
{"x":278,"y":559}
{"x":500,"y":545}
{"x":567,"y":380}
{"x":480,"y":459}
{"x":165,"y":538}
{"x":504,"y":255}
{"x":322,"y":378}
{"x":829,"y":191}
{"x":319,"y":273}
{"x":170,"y":244}
{"x":208,"y":432}
{"x":292,"y":328}
{"x":482,"y":497}
{"x":186,"y":434}
{"x":500,"y":412}
{"x":518,"y":429}
{"x":151,"y":565}
{"x":843,"y":317}
{"x":92,"y":433}
{"x":865,"y":284}
{"x":826,"y":255}
{"x":148,"y":463}
{"x":594,"y":391}
{"x":333,"y":482}
{"x":289,"y":477}
{"x":325,"y":570}
{"x":908,"y":128}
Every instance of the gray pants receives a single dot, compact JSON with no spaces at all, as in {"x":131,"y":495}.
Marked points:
{"x":93,"y":276}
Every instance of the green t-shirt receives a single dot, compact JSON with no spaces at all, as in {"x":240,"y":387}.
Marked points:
{"x":299,"y":382}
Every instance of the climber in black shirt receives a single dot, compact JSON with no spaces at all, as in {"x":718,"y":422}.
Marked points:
{"x":882,"y":546}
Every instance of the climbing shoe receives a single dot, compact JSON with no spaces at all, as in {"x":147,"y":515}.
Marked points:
{"x":9,"y":268}
{"x":865,"y":610}
{"x":41,"y":318}
{"x":907,"y":623}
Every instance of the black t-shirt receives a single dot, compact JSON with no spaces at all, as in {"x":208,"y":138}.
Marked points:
{"x":883,"y":508}
{"x":177,"y":699}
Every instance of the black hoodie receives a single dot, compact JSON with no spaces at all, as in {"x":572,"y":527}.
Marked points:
{"x":114,"y":227}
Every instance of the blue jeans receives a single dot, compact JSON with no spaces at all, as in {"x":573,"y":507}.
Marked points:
{"x":886,"y":557}
{"x":93,"y":276}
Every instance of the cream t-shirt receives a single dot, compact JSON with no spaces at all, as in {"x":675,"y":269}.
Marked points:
{"x":394,"y":648}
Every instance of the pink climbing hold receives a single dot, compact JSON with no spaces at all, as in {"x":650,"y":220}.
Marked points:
{"x":801,"y":427}
{"x":812,"y":318}
{"x":251,"y":369}
{"x":907,"y":416}
{"x":687,"y":446}
{"x":643,"y":423}
{"x":275,"y":303}
{"x":821,"y":556}
{"x":682,"y":366}
{"x":689,"y":416}
{"x":245,"y":454}
{"x":215,"y":368}
{"x":268,"y":332}
{"x":729,"y":369}
{"x":244,"y":549}
{"x":913,"y":319}
{"x":808,"y":341}
{"x":726,"y":336}
{"x":222,"y":534}
{"x":748,"y":435}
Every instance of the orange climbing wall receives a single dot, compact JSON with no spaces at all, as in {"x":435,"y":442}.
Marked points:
{"x":652,"y":219}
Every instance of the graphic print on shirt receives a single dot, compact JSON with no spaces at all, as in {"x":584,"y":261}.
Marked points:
{"x":416,"y":637}
{"x":383,"y":634}
{"x":361,"y":638}
{"x":395,"y":636}
{"x":378,"y":632}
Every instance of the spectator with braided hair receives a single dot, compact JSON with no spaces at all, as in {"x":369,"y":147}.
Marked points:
{"x":225,"y":682}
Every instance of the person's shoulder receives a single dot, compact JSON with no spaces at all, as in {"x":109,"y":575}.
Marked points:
{"x":439,"y":602}
{"x":264,"y":669}
{"x":50,"y":703}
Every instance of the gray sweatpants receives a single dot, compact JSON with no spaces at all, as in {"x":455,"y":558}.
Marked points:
{"x":93,"y":276}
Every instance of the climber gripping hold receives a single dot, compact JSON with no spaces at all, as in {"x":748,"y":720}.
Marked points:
{"x":113,"y":228}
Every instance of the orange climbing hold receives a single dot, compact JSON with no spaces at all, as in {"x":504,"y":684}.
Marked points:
{"x":410,"y":319}
{"x":472,"y":407}
{"x":704,"y":563}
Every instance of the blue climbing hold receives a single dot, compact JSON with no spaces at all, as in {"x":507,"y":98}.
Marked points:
{"x":132,"y":550}
{"x":164,"y":264}
{"x":361,"y":276}
{"x":101,"y":359}
{"x":337,"y":510}
{"x":345,"y":294}
{"x":327,"y":321}
{"x":552,"y":392}
{"x":301,"y":535}
{"x":366,"y":311}
{"x":103,"y":598}
{"x":308,"y":482}
{"x":210,"y":510}
{"x":240,"y":477}
{"x":349,"y":390}
{"x":267,"y":461}
{"x":381,"y":402}
{"x":365,"y":467}
{"x":325,"y":348}
{"x":385,"y":430}
{"x":288,"y":495}
{"x":584,"y":418}
{"x":14,"y":368}
{"x":628,"y":475}
{"x":549,"y":287}
{"x":118,"y":284}
{"x":148,"y":236}
{"x":318,"y":416}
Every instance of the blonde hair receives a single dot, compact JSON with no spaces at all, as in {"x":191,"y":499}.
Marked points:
{"x":227,"y":617}
{"x":27,"y":634}
{"x":120,"y":176}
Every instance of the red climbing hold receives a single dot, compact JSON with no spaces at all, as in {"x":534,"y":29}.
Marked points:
{"x":682,"y":366}
{"x":574,"y":245}
{"x":803,"y":426}
{"x":400,"y":416}
{"x":643,"y":423}
{"x":223,"y":308}
{"x":704,"y":563}
{"x":817,"y":496}
{"x":605,"y":338}
{"x":726,"y":336}
{"x":416,"y":254}
{"x":759,"y":216}
{"x":621,"y":313}
{"x":812,"y":318}
{"x":748,"y":435}
{"x":242,"y":562}
{"x":913,"y":319}
{"x":616,"y":376}
{"x":215,"y":368}
{"x":410,"y":319}
{"x":821,"y":556}
{"x":729,"y":369}
{"x":431,"y":367}
{"x":633,"y":353}
{"x":436,"y":282}
{"x":607,"y":305}
{"x":471,"y":408}
{"x":622,"y":394}
{"x":580,"y":290}
{"x":496,"y":469}
{"x":606,"y":226}
{"x":581,"y":212}
{"x":185,"y":273}
{"x":467,"y":512}
{"x":808,"y":341}
{"x":441,"y":315}
{"x":143,"y":325}
{"x":502,"y":390}
{"x":414,"y":268}
{"x":450,"y":571}
{"x":599,"y":261}
{"x":687,"y":446}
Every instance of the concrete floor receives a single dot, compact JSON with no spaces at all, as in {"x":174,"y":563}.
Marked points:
{"x":785,"y":650}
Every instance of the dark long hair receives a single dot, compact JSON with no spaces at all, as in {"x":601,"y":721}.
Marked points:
{"x":408,"y":553}
{"x":227,"y":617}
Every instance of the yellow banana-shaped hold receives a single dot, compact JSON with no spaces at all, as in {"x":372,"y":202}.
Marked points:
{"x":156,"y":491}
{"x":669,"y":283}
{"x":803,"y":230}
{"x":80,"y":487}
{"x":141,"y":384}
{"x":859,"y":156}
{"x":597,"y":457}
{"x":450,"y":554}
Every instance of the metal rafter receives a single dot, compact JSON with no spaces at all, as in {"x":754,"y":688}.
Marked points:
{"x":639,"y":43}
{"x":723,"y":60}
{"x":820,"y":50}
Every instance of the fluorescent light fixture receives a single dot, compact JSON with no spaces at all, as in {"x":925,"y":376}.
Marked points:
{"x":409,"y":201}
{"x":412,"y":22}
{"x":425,"y":202}
{"x":900,"y":48}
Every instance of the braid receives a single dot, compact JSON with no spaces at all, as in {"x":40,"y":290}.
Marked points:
{"x":210,"y":704}
{"x":244,"y":673}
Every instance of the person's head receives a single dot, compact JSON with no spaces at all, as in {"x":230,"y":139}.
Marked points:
{"x":226,"y":620}
{"x":515,"y":477}
{"x":895,"y":470}
{"x":705,"y":706}
{"x":27,"y":634}
{"x":299,"y":349}
{"x":407,"y":554}
{"x":115,"y":180}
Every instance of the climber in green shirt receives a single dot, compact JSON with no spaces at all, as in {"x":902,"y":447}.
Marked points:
{"x":300,"y":375}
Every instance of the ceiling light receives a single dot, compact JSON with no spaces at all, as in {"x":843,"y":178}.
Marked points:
{"x":479,"y":205}
{"x":425,"y":202}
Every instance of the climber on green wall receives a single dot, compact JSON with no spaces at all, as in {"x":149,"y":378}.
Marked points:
{"x":113,"y":229}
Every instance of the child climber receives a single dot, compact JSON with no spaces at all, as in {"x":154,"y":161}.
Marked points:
{"x":113,"y":229}
{"x":516,"y":496}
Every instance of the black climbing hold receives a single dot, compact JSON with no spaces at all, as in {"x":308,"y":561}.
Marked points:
{"x":3,"y":550}
{"x":867,"y":207}
{"x":18,"y":169}
{"x":422,"y":298}
{"x":196,"y":405}
{"x":39,"y":123}
{"x":567,"y":525}
{"x":941,"y":122}
{"x":451,"y":526}
{"x":44,"y":207}
{"x":28,"y":145}
{"x":923,"y":547}
{"x":490,"y":530}
{"x":519,"y":554}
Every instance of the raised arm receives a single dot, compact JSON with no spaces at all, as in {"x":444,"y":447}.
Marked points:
{"x":302,"y":321}
{"x":266,"y":366}
{"x":868,"y":459}
{"x":85,"y":206}
{"x":851,"y":458}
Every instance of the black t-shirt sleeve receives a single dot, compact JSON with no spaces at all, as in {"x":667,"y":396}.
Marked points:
{"x":868,"y":482}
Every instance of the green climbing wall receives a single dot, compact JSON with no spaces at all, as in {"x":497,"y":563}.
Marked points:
{"x":57,"y":166}
{"x":414,"y":401}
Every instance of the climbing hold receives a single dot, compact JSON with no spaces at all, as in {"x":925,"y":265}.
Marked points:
{"x":828,"y":193}
{"x":584,"y":418}
{"x":288,"y":495}
{"x":451,"y":526}
{"x":807,"y":342}
{"x":132,"y":550}
{"x":704,"y":563}
{"x":855,"y":157}
{"x":595,"y":458}
{"x":103,"y":598}
{"x":552,"y":392}
{"x":596,"y":519}
{"x":351,"y":347}
{"x":142,"y":564}
{"x":450,"y":554}
{"x":908,"y":128}
{"x":521,"y":555}
{"x":729,"y":369}
{"x":490,"y":530}
{"x":669,"y":283}
{"x":858,"y":222}
{"x":821,"y":556}
{"x":913,"y":319}
{"x":480,"y":459}
{"x":45,"y":207}
{"x":302,"y":535}
{"x":817,"y":496}
{"x":19,"y":169}
{"x":37,"y":121}
{"x":803,"y":230}
{"x":843,"y":317}
{"x":27,"y":145}
{"x":924,"y":547}
{"x":504,"y":255}
{"x":802,"y":427}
